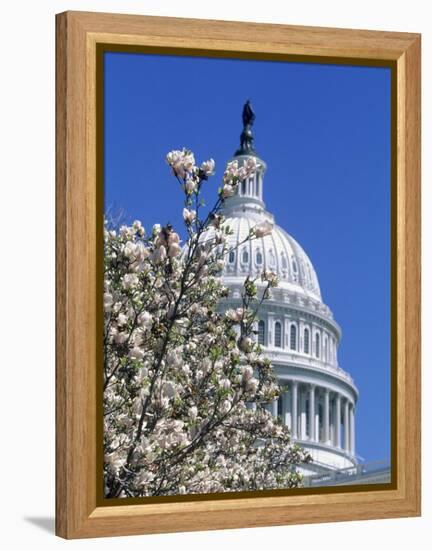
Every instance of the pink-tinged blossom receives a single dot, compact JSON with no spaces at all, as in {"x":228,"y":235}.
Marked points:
{"x":174,"y":250}
{"x":182,"y":162}
{"x":247,"y":373}
{"x":252,"y":385}
{"x":173,"y":238}
{"x":159,"y":255}
{"x":145,"y":319}
{"x":120,"y":337}
{"x":263,"y":229}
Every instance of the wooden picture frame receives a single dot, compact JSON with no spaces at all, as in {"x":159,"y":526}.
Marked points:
{"x":79,"y":36}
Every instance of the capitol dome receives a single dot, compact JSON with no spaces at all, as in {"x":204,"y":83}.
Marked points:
{"x":278,"y":252}
{"x":295,"y":328}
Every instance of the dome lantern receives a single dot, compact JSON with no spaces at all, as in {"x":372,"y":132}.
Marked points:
{"x":249,"y":193}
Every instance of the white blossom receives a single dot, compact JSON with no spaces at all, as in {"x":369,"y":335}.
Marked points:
{"x":129,"y":249}
{"x":225,"y":384}
{"x":193,"y":412}
{"x":227,"y":191}
{"x":145,"y":477}
{"x":122,"y":319}
{"x":269,"y":277}
{"x":126,"y":231}
{"x":189,"y":215}
{"x":225,"y":406}
{"x":138,"y":228}
{"x":107,"y":301}
{"x":130,"y":280}
{"x":208,"y":167}
{"x":190,"y":186}
{"x":136,"y":353}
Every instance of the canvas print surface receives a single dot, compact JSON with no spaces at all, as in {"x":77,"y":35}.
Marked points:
{"x":247,"y":275}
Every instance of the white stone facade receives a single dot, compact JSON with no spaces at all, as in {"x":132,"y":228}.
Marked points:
{"x":297,"y":331}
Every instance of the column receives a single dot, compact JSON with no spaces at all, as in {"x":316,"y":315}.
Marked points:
{"x":300,"y":336}
{"x":294,"y":420}
{"x":332,"y":420}
{"x":352,"y":430}
{"x":270,"y":331}
{"x":338,"y":421}
{"x":286,"y":332}
{"x":303,"y":418}
{"x":312,"y":421}
{"x":286,"y":408}
{"x":326,"y":420}
{"x":346,"y":425}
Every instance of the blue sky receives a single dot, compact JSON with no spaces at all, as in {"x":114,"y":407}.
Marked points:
{"x":324,"y":131}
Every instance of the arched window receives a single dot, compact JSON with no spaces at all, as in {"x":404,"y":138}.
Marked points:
{"x":306,"y":340}
{"x":284,"y":261}
{"x":325,"y":351}
{"x":272,"y":257}
{"x":278,"y":335}
{"x":317,"y":345}
{"x":243,"y":187}
{"x":245,"y":256}
{"x":279,"y":406}
{"x":231,"y":257}
{"x":259,"y":257}
{"x":293,"y":337}
{"x":261,"y":333}
{"x":295,"y":270}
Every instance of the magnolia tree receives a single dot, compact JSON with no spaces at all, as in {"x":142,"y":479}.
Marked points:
{"x":185,"y":385}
